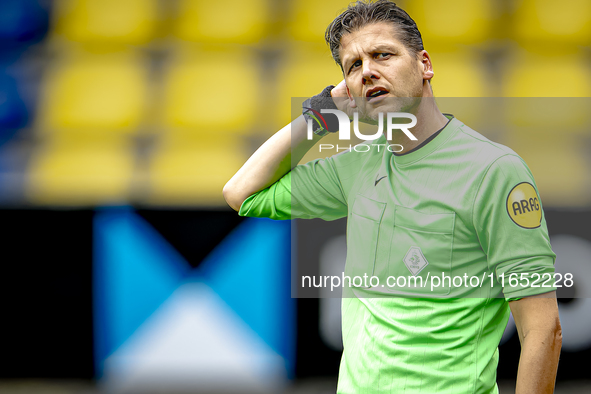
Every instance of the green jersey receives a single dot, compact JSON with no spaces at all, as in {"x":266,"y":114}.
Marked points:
{"x":450,"y":232}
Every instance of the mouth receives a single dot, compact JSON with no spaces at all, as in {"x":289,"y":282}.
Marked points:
{"x":373,"y":93}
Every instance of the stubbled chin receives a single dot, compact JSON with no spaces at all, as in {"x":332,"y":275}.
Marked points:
{"x":369,"y":113}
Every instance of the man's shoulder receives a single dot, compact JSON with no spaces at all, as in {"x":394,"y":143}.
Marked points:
{"x":480,"y":150}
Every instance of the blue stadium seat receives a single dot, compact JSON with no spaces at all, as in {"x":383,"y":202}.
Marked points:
{"x":22,"y":22}
{"x":13,"y":161}
{"x":13,"y":111}
{"x":14,"y":114}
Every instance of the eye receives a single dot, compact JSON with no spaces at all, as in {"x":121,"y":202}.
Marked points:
{"x":356,"y":64}
{"x":383,"y":55}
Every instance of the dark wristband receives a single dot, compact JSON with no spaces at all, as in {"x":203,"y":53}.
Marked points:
{"x":322,"y":124}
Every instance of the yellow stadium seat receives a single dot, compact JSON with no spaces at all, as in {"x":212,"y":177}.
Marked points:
{"x":94,"y":94}
{"x":304,"y":72}
{"x":460,"y":74}
{"x":559,"y":76}
{"x":212,"y":92}
{"x":310,"y":18}
{"x":559,"y":164}
{"x":193,"y":171}
{"x":129,"y":22}
{"x":74,"y":173}
{"x":545,"y":21}
{"x":230,"y":21}
{"x":461,"y":84}
{"x":443,"y":23}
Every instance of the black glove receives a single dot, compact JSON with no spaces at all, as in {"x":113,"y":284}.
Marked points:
{"x":322,"y":124}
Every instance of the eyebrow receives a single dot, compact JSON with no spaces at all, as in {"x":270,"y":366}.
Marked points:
{"x":382,"y":47}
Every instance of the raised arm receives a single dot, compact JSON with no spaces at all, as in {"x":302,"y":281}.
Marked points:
{"x":276,"y":157}
{"x":269,"y":163}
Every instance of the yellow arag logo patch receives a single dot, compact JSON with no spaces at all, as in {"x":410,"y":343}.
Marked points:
{"x":523,"y":206}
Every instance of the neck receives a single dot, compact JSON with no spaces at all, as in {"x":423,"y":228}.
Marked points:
{"x":429,"y":121}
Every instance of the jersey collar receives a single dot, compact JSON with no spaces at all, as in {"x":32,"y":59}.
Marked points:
{"x":430,"y":145}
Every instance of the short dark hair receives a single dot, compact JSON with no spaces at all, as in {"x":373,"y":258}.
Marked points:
{"x":362,"y":13}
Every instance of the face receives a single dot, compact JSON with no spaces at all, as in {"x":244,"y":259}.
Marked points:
{"x":376,"y":65}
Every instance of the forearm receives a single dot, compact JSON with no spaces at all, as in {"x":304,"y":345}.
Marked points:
{"x":277,"y":156}
{"x":540,"y":351}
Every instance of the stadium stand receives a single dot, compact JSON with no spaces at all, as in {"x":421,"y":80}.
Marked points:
{"x":159,"y":81}
{"x":550,"y":133}
{"x":207,"y":91}
{"x":566,"y":75}
{"x":122,"y":22}
{"x":538,"y":23}
{"x":193,"y":172}
{"x":90,"y":93}
{"x":244,"y":22}
{"x":559,"y":162}
{"x":305,"y":68}
{"x":460,"y":74}
{"x":71,"y":172}
{"x":13,"y":111}
{"x":447,"y":23}
{"x":22,"y":23}
{"x":308,"y":19}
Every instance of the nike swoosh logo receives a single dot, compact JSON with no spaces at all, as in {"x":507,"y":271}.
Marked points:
{"x":377,"y":180}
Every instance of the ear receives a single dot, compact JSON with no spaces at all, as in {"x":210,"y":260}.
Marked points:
{"x":352,"y":102}
{"x":425,"y":59}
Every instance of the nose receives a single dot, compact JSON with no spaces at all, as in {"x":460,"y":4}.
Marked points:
{"x":369,"y":71}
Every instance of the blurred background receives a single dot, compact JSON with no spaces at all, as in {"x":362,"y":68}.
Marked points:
{"x":123,"y":270}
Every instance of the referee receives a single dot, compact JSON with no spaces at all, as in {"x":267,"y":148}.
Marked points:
{"x":449,"y":204}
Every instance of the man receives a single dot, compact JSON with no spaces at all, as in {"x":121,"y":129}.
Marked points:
{"x":450,"y":203}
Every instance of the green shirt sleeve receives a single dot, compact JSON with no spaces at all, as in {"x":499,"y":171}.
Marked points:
{"x":312,"y":190}
{"x":512,"y":230}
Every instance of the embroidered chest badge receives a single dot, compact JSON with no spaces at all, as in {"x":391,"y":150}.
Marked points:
{"x":414,"y":260}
